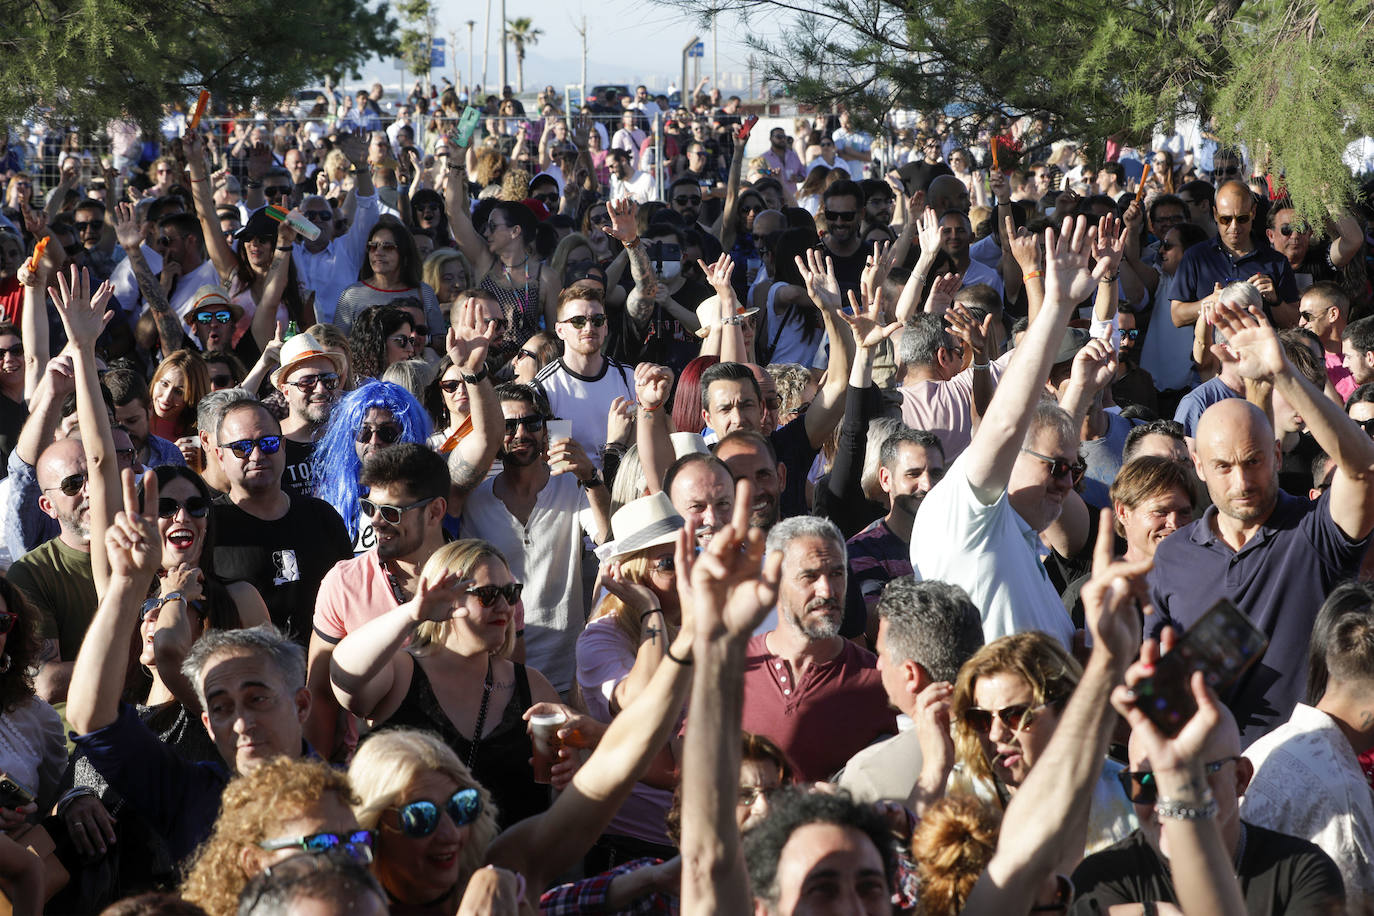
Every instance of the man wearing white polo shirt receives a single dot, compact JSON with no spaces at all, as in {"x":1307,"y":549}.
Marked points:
{"x":979,"y":527}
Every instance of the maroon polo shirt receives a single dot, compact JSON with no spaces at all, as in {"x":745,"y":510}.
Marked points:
{"x":837,"y":709}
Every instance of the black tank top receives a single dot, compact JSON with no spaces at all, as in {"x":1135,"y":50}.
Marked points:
{"x":503,"y":756}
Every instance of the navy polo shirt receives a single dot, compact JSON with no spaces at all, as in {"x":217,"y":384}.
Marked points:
{"x":1210,"y":263}
{"x":1279,"y":579}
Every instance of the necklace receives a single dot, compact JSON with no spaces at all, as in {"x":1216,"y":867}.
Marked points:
{"x":520,"y":266}
{"x":481,"y":717}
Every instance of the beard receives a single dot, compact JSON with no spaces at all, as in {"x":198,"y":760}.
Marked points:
{"x":824,"y":627}
{"x":77,"y":521}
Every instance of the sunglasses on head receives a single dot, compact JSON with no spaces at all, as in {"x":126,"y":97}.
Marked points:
{"x":329,"y":380}
{"x":357,"y":845}
{"x":533,"y":424}
{"x":391,"y":514}
{"x":381,"y":246}
{"x":69,"y":485}
{"x":387,"y":433}
{"x":580,"y":321}
{"x":421,"y":818}
{"x":1059,"y":467}
{"x":1139,"y":785}
{"x":242,"y":448}
{"x":220,"y":317}
{"x":840,"y":216}
{"x":486,"y":595}
{"x":195,"y":506}
{"x":1241,"y":218}
{"x":1016,"y":717}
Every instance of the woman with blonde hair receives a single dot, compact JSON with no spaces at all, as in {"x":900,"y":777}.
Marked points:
{"x":278,"y":810}
{"x":178,"y":384}
{"x":951,"y":847}
{"x":441,"y":662}
{"x":448,"y":273}
{"x":1005,"y":708}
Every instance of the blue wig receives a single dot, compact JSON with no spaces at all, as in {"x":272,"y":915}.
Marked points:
{"x":335,"y":466}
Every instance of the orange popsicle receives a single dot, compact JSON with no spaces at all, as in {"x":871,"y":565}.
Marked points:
{"x":38,"y":252}
{"x":200,"y":108}
{"x":1140,"y":191}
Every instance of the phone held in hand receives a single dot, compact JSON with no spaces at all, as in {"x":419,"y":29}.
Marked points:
{"x":467,"y":124}
{"x":1222,"y":645}
{"x":13,"y":794}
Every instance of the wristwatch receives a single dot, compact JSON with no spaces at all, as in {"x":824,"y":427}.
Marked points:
{"x":474,"y":379}
{"x":155,"y":604}
{"x":591,"y":483}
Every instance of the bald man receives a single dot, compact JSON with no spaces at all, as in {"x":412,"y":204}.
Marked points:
{"x":56,"y":575}
{"x":1233,"y":255}
{"x":1278,"y":873}
{"x":1275,"y":555}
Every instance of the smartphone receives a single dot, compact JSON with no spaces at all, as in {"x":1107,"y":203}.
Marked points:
{"x":13,"y":794}
{"x":467,"y":124}
{"x":1222,"y":645}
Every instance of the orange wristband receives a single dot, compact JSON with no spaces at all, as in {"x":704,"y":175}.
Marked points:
{"x":1026,"y":278}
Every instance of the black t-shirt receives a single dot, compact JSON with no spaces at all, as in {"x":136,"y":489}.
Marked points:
{"x":664,"y":340}
{"x":1278,"y":874}
{"x":797,"y":454}
{"x":1295,"y":473}
{"x":296,"y":478}
{"x":12,"y":417}
{"x":918,"y":175}
{"x":849,"y":270}
{"x":284,"y":559}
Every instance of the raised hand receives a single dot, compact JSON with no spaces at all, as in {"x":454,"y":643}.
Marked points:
{"x":1001,"y":188}
{"x":1132,"y":218}
{"x":1094,"y":366}
{"x":83,"y":314}
{"x":187,"y":579}
{"x":933,"y":735}
{"x":354,"y":146}
{"x":718,"y":275}
{"x":876,"y":268}
{"x":194,"y":148}
{"x":733,"y":585}
{"x":928,"y":233}
{"x":818,"y":273}
{"x":470,"y":337}
{"x":1252,"y":341}
{"x":620,"y":421}
{"x":441,"y":599}
{"x":652,"y":385}
{"x":567,"y":456}
{"x":1025,"y":246}
{"x":259,"y":160}
{"x":271,"y":354}
{"x":132,"y":542}
{"x":867,"y":323}
{"x":1067,"y":257}
{"x":964,"y":326}
{"x":624,"y":227}
{"x":1107,"y":247}
{"x":1115,"y":597}
{"x":942,"y":293}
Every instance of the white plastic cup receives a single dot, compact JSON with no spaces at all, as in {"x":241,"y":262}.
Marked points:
{"x":545,"y":742}
{"x":558,"y":430}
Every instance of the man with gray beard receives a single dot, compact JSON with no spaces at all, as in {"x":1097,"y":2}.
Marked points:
{"x":56,"y":576}
{"x":819,"y":696}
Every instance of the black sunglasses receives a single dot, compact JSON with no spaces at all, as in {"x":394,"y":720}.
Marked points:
{"x":276,"y":190}
{"x":391,"y":514}
{"x":1139,"y":785}
{"x":450,"y":385}
{"x":580,"y":321}
{"x":242,"y":448}
{"x":421,"y":818}
{"x":195,"y":506}
{"x":532,"y":423}
{"x":94,"y":225}
{"x":387,"y":433}
{"x":329,"y":380}
{"x":486,"y":595}
{"x":840,"y":216}
{"x":70,"y":485}
{"x":683,"y":199}
{"x":1015,"y":717}
{"x":1059,"y":467}
{"x":1288,"y":229}
{"x":17,"y":350}
{"x":1366,"y":425}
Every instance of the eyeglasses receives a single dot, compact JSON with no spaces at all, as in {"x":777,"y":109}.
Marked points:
{"x":750,"y":794}
{"x":580,"y":321}
{"x":221,"y":381}
{"x":1059,"y":467}
{"x":1017,"y":717}
{"x":165,"y":240}
{"x":1229,"y":170}
{"x":1241,"y":218}
{"x":532,"y":423}
{"x":426,"y":208}
{"x":1139,"y":785}
{"x":277,"y":190}
{"x":1130,"y":333}
{"x":486,"y":595}
{"x":1288,"y":229}
{"x":1366,"y":425}
{"x":381,"y":246}
{"x":17,"y":351}
{"x":387,"y":433}
{"x":195,"y":506}
{"x":242,"y":448}
{"x":840,"y":216}
{"x":329,"y":380}
{"x":450,"y":385}
{"x":7,"y":620}
{"x":421,"y":818}
{"x":70,"y":485}
{"x":405,"y":341}
{"x":221,"y":317}
{"x":596,"y":220}
{"x":357,"y":845}
{"x":751,"y":208}
{"x":391,"y":514}
{"x":684,"y":199}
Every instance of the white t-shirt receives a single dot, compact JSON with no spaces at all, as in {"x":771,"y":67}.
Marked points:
{"x":546,"y":555}
{"x":854,"y":142}
{"x":991,"y":553}
{"x":330,"y":271}
{"x":640,"y":188}
{"x":586,"y":400}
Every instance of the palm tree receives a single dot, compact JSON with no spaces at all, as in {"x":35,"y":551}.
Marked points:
{"x":521,"y":32}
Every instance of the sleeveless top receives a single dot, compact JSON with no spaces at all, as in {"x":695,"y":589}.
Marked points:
{"x":523,"y":310}
{"x":503,"y":756}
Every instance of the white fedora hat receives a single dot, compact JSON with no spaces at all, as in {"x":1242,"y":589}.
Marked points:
{"x":645,"y":522}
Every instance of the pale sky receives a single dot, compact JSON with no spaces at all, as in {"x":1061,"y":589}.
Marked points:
{"x":628,"y":41}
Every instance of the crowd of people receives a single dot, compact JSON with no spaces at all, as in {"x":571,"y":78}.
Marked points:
{"x":598,"y":519}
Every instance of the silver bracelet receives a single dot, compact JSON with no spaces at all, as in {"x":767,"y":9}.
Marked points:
{"x":1182,"y":811}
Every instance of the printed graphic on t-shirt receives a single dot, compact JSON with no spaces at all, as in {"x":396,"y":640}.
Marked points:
{"x":288,"y":570}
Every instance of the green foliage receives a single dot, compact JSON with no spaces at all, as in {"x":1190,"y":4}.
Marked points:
{"x":418,"y":15}
{"x":85,"y":61}
{"x":1289,"y":76}
{"x":521,"y":32}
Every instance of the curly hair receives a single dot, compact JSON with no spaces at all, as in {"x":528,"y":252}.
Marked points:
{"x":335,"y":463}
{"x":791,"y":381}
{"x":951,"y":846}
{"x":1045,"y":665}
{"x":489,"y":167}
{"x":389,"y":762}
{"x":251,"y":808}
{"x":515,"y":185}
{"x":367,"y":342}
{"x":197,"y":376}
{"x":21,"y":647}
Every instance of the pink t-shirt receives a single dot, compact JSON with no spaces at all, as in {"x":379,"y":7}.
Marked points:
{"x":352,"y":593}
{"x":1340,"y":376}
